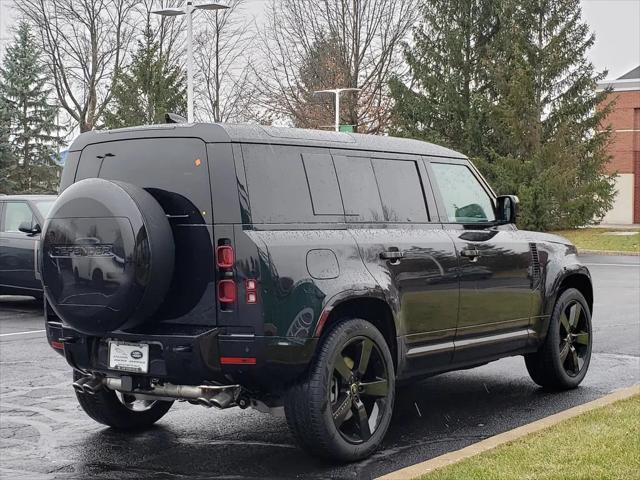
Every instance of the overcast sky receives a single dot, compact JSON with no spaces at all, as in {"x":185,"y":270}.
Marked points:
{"x":616,"y":24}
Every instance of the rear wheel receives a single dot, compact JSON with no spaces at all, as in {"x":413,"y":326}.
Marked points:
{"x":343,"y":408}
{"x":563,"y":360}
{"x":120,"y":410}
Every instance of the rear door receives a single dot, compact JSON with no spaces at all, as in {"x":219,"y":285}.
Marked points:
{"x":409,"y":255}
{"x":496,"y":287}
{"x":176,"y":172}
{"x":17,"y":249}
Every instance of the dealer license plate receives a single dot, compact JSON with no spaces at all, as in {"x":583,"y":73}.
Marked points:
{"x":130,"y":357}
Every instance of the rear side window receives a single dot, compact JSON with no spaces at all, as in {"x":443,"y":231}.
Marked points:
{"x":277,"y":184}
{"x":465,"y":201}
{"x":173,"y":169}
{"x":400,"y":191}
{"x":323,"y":184}
{"x":359,"y":189}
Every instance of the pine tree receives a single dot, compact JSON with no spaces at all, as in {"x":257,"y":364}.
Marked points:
{"x":27,"y":120}
{"x":547,"y":143}
{"x":443,"y":101}
{"x":151,"y":88}
{"x":508,"y":83}
{"x":7,"y":185}
{"x":323,"y":68}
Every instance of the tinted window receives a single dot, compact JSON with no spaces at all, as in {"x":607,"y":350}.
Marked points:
{"x":359,"y":189}
{"x":400,"y":191}
{"x":323,"y":184}
{"x":465,"y":201}
{"x":277,"y":184}
{"x":176,"y":168}
{"x":15,"y":214}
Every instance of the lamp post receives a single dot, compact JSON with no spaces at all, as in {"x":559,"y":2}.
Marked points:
{"x":337,"y":92}
{"x":188,"y":11}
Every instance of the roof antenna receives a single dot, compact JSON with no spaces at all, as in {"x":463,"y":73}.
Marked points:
{"x":174,"y":118}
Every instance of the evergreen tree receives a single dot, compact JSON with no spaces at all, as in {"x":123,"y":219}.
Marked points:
{"x":151,"y":88}
{"x":547,"y":143}
{"x":443,"y":102}
{"x":508,"y":83}
{"x":323,"y":68}
{"x":28,"y":127}
{"x":7,"y":161}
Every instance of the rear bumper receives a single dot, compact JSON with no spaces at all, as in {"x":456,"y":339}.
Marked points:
{"x":194,"y":358}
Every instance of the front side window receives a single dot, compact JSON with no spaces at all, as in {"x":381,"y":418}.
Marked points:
{"x":15,"y":215}
{"x":44,"y":207}
{"x":465,"y":201}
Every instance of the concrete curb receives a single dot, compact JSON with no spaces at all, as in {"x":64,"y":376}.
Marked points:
{"x":607,"y":252}
{"x":490,"y":443}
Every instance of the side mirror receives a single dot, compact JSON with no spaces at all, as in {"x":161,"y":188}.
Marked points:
{"x":507,"y":208}
{"x":28,"y":228}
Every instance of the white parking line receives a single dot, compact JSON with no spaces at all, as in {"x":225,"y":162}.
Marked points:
{"x":21,"y":333}
{"x":612,"y":264}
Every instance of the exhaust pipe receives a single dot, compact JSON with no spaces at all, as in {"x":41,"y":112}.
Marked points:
{"x":92,"y":385}
{"x":79,"y":384}
{"x":220,"y":396}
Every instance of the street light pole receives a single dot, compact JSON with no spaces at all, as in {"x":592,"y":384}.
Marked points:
{"x":188,"y":11}
{"x":337,"y":92}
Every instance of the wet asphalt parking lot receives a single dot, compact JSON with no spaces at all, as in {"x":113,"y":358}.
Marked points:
{"x":44,"y":433}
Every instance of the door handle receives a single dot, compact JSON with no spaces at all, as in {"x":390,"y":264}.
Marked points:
{"x":393,"y":255}
{"x":471,"y":254}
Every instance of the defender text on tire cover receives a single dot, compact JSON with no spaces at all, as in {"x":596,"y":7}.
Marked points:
{"x":107,"y":256}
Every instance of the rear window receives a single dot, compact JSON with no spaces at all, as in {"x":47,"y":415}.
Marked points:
{"x":174,"y":170}
{"x":289,"y":186}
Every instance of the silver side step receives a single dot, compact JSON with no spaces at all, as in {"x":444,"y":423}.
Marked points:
{"x":220,"y":396}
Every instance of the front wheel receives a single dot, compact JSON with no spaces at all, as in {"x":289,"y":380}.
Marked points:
{"x":342,"y":409}
{"x":563,"y":360}
{"x":120,"y":410}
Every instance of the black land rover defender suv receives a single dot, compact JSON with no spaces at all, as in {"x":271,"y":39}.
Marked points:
{"x":267,"y":268}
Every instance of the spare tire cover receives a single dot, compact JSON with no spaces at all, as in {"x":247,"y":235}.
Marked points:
{"x":107,"y":256}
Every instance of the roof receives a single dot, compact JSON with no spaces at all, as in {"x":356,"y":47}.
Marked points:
{"x":31,"y":198}
{"x":630,"y":81}
{"x":225,"y":133}
{"x":631,"y":74}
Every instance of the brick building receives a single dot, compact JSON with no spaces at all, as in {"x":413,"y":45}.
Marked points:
{"x":625,"y":146}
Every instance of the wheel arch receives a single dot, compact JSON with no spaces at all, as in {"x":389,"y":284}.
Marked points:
{"x":578,"y":278}
{"x":373,"y":309}
{"x":581,"y":282}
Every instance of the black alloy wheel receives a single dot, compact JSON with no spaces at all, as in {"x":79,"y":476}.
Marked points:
{"x":563,"y":358}
{"x":359,"y":390}
{"x":342,"y":408}
{"x":574,"y":333}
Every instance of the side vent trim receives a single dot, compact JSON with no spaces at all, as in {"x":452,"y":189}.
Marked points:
{"x":535,"y":273}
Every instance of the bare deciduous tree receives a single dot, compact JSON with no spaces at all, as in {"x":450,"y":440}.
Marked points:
{"x":367,"y":36}
{"x":85,"y":44}
{"x":222,"y":58}
{"x":168,"y":31}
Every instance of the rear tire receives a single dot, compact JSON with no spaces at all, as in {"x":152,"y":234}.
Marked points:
{"x":108,"y":408}
{"x":563,"y":360}
{"x":342,"y":409}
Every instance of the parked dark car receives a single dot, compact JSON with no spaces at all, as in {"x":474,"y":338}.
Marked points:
{"x":21,"y":219}
{"x":268,"y":268}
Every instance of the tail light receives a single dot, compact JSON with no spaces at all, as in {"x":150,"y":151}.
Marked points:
{"x":226,"y":291}
{"x":225,"y":256}
{"x":251,"y":289}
